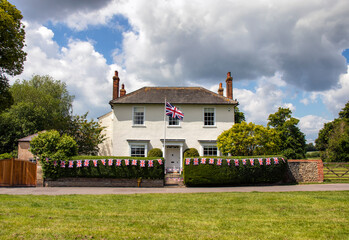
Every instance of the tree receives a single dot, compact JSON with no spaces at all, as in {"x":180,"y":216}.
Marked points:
{"x":244,"y":139}
{"x":310,"y":147}
{"x":333,"y":138}
{"x":41,"y":103}
{"x":12,"y":56}
{"x":87,"y":134}
{"x":292,"y":139}
{"x":239,"y":116}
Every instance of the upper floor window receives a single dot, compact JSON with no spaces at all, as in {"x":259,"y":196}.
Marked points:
{"x":173,"y":121}
{"x":209,"y":117}
{"x":138,"y":116}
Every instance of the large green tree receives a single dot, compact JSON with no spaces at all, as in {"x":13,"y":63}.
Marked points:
{"x":292,"y":139}
{"x":12,"y":56}
{"x":246,"y":139}
{"x":333,"y":138}
{"x":239,"y":116}
{"x":40,"y":103}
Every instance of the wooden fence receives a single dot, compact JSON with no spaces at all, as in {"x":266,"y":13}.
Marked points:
{"x":336,"y":171}
{"x":14,"y":172}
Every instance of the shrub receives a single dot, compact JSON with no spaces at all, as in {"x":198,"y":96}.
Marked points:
{"x":228,"y":174}
{"x":314,"y":154}
{"x":155,"y":152}
{"x":191,"y":152}
{"x":55,"y":170}
{"x":6,"y":156}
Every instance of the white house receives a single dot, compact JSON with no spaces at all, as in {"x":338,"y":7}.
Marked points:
{"x":136,"y":123}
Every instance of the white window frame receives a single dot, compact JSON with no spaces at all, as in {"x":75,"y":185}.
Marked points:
{"x":133,"y":116}
{"x":208,"y":144}
{"x":214,"y":117}
{"x":145,"y":145}
{"x":173,"y":126}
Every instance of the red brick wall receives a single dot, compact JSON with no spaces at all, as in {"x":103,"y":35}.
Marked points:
{"x":303,"y":170}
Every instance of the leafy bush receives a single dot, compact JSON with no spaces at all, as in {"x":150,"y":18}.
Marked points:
{"x":228,"y":174}
{"x":314,"y":154}
{"x":155,"y":152}
{"x":191,"y":152}
{"x":6,"y":156}
{"x":55,"y":170}
{"x":51,"y":145}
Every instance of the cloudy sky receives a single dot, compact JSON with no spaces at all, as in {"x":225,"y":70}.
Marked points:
{"x":292,"y":53}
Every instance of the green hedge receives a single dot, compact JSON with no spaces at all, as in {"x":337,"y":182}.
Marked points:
{"x":230,"y":175}
{"x":53,"y":169}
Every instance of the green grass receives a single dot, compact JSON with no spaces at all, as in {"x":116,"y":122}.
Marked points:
{"x":296,"y":215}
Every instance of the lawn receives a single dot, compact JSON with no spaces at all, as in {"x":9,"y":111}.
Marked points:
{"x":293,"y":215}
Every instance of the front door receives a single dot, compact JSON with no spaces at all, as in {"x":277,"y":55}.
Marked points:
{"x":172,"y":160}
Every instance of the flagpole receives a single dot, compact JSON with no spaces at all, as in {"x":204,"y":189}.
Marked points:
{"x":165,"y":132}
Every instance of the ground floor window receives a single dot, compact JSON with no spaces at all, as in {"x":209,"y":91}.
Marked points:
{"x":138,"y":150}
{"x":210,"y":150}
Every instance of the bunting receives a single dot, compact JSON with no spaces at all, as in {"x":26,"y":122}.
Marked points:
{"x":142,"y":163}
{"x":62,"y":164}
{"x":219,"y":161}
{"x":268,"y":162}
{"x":276,"y":160}
{"x":260,"y":160}
{"x":187,"y":161}
{"x":95,"y":162}
{"x":196,"y":161}
{"x":160,"y":161}
{"x":118,"y":162}
{"x":103,"y":161}
{"x":228,"y":162}
{"x":203,"y":161}
{"x":283,"y":160}
{"x":134,"y":162}
{"x":110,"y":162}
{"x":86,"y":163}
{"x":55,"y":163}
{"x":79,"y":163}
{"x":127,"y":162}
{"x":236,"y":162}
{"x":150,"y":163}
{"x":252,"y":161}
{"x":71,"y":164}
{"x":244,"y":161}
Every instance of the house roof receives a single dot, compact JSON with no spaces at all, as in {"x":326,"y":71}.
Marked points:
{"x":30,"y":137}
{"x":174,"y":95}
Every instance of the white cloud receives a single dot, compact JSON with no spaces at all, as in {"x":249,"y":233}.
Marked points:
{"x":310,"y":125}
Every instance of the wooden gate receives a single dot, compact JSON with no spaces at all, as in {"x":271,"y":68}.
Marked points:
{"x":14,"y":172}
{"x":336,"y":171}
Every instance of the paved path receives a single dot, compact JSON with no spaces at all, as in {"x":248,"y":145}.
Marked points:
{"x":99,"y":190}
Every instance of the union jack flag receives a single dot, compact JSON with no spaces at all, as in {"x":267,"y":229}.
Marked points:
{"x":244,"y":161}
{"x":62,"y":164}
{"x":55,"y":163}
{"x":134,"y":162}
{"x":71,"y":164}
{"x":173,"y":111}
{"x":211,"y":161}
{"x":252,"y":161}
{"x":142,"y":163}
{"x":160,"y":161}
{"x":228,"y":162}
{"x":260,"y":160}
{"x":150,"y":163}
{"x":268,"y":161}
{"x":283,"y":159}
{"x":236,"y":162}
{"x":127,"y":162}
{"x":118,"y":162}
{"x":110,"y":162}
{"x":46,"y":159}
{"x":187,"y":161}
{"x":86,"y":163}
{"x":196,"y":161}
{"x":95,"y":162}
{"x":103,"y":161}
{"x":276,"y":160}
{"x":203,"y":161}
{"x":79,"y":163}
{"x":219,"y":161}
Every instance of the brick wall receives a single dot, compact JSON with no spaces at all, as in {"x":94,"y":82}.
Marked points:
{"x":305,"y":170}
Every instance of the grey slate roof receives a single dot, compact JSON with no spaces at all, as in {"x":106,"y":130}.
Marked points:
{"x":174,"y":95}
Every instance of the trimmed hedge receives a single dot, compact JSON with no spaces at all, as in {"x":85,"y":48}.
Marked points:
{"x":230,"y":175}
{"x":54,"y":170}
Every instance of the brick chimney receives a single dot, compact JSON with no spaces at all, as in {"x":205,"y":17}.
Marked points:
{"x":220,"y":89}
{"x":116,"y":81}
{"x":229,"y":82}
{"x":122,"y":90}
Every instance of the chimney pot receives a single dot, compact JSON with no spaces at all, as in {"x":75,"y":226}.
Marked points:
{"x":122,"y":90}
{"x":116,"y":81}
{"x":229,"y":82}
{"x":220,"y":89}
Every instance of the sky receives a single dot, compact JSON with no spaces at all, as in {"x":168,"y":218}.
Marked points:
{"x":281,"y":53}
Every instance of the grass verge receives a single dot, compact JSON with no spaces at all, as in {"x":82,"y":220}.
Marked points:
{"x":296,"y":215}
